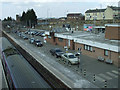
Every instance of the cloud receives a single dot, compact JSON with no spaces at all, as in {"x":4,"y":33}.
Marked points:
{"x":38,"y":5}
{"x":45,"y":1}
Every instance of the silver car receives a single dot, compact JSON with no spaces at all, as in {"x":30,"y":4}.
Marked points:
{"x":70,"y":58}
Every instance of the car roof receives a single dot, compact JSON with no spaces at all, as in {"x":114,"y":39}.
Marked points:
{"x":69,"y":54}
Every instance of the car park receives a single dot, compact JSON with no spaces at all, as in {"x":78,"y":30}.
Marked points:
{"x":38,"y":43}
{"x":56,"y":52}
{"x":70,"y":58}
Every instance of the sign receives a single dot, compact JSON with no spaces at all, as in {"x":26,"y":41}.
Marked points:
{"x":88,"y":27}
{"x":45,"y":38}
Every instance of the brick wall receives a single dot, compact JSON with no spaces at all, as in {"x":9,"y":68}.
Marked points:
{"x":61,"y":43}
{"x":51,"y":40}
{"x":99,"y":52}
{"x":112,"y":33}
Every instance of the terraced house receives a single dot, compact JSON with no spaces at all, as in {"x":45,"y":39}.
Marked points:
{"x":110,"y":13}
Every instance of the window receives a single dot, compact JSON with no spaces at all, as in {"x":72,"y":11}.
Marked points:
{"x":106,"y":52}
{"x":90,"y":48}
{"x":60,"y":39}
{"x":87,"y":47}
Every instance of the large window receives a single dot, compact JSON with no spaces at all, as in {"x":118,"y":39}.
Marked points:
{"x":88,"y":48}
{"x":106,"y":52}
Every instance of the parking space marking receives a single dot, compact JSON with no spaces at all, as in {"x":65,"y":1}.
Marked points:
{"x":105,"y":76}
{"x":111,"y":74}
{"x":116,"y":72}
{"x":99,"y":78}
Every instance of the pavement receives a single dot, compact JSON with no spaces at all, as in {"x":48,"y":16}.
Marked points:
{"x":90,"y":68}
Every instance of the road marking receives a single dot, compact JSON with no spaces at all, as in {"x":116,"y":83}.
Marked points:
{"x":116,"y":72}
{"x":41,"y":54}
{"x":99,"y":78}
{"x":111,"y":74}
{"x":105,"y":76}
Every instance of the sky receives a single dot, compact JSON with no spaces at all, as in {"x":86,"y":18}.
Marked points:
{"x":51,"y":8}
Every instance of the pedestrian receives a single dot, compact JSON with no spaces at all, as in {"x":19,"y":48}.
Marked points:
{"x":78,"y":61}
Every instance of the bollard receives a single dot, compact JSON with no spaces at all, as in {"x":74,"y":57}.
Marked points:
{"x":105,"y":84}
{"x":69,"y":65}
{"x":94,"y":78}
{"x":64,"y":62}
{"x":84,"y":72}
{"x":81,"y":70}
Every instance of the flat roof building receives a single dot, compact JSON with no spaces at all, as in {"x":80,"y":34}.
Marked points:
{"x":93,"y":45}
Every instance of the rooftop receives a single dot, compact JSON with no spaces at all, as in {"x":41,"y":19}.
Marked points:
{"x":102,"y":10}
{"x":97,"y":40}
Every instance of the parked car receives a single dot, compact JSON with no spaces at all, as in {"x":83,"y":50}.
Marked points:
{"x":26,"y":32}
{"x":32,"y":40}
{"x":38,"y":43}
{"x":42,"y":35}
{"x":57,"y":52}
{"x":108,"y":61}
{"x":25,"y":37}
{"x":101,"y":59}
{"x":70,"y":58}
{"x":37,"y":34}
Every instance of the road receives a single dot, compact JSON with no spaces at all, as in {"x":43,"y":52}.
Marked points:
{"x":101,"y":70}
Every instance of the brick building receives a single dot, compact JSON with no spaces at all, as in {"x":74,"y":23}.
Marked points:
{"x":75,"y":16}
{"x":93,"y":45}
{"x":112,"y":32}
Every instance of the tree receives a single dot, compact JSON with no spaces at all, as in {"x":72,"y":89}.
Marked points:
{"x":23,"y":16}
{"x":29,"y":18}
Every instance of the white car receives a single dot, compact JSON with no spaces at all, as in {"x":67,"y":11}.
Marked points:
{"x":70,"y":58}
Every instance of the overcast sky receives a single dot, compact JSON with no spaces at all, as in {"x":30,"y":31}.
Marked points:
{"x":51,"y":8}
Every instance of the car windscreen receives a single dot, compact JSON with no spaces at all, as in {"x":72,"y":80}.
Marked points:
{"x":72,"y":56}
{"x":58,"y":50}
{"x":38,"y":41}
